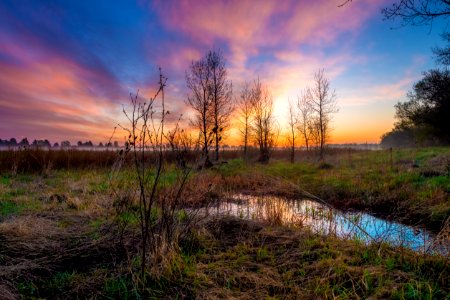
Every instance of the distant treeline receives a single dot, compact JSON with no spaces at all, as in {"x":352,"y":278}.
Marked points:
{"x":46,"y":144}
{"x":24,"y":143}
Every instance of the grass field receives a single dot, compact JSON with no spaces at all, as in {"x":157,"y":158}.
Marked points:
{"x":61,"y":235}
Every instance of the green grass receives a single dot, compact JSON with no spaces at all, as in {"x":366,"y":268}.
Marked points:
{"x":5,"y":180}
{"x":119,"y":288}
{"x":8,"y":208}
{"x":11,"y":194}
{"x":128,"y":218}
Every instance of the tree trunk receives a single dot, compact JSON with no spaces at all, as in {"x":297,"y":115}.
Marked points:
{"x":217,"y":144}
{"x":292,"y":154}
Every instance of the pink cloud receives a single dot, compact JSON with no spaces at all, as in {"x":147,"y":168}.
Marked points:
{"x":51,"y":96}
{"x":247,"y":26}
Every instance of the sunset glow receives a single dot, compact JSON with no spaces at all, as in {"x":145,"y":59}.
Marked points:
{"x":67,"y":67}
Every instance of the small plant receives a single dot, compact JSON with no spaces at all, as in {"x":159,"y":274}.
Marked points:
{"x":118,"y":288}
{"x":262,"y":254}
{"x":182,"y":215}
{"x":368,"y":282}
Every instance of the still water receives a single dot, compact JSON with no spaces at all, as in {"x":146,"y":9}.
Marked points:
{"x":322,"y":219}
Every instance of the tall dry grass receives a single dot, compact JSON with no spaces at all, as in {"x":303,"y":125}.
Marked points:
{"x":32,"y":160}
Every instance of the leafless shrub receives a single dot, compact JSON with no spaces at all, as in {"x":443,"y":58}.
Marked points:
{"x":180,"y":144}
{"x":151,"y":194}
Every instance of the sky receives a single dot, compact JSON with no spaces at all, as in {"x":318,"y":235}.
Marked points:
{"x":68,"y":67}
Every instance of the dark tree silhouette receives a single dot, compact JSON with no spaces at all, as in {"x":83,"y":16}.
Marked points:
{"x":41,"y":143}
{"x":428,"y":106}
{"x":399,"y":137}
{"x":414,"y":12}
{"x":245,"y":109}
{"x":323,"y":104}
{"x":417,"y":12}
{"x":305,"y":124}
{"x":210,"y":97}
{"x":424,"y":118}
{"x":24,"y":142}
{"x":12,"y":142}
{"x":263,"y":126}
{"x":198,"y":81}
{"x":292,"y":137}
{"x":221,"y":97}
{"x":443,"y":54}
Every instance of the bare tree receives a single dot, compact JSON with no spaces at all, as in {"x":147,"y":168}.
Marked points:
{"x":314,"y":128}
{"x":442,"y":55}
{"x":245,"y":109}
{"x":292,"y":122}
{"x":198,"y":80}
{"x":417,"y":12}
{"x":263,"y":121}
{"x":221,"y":97}
{"x":323,"y":104}
{"x":305,"y":118}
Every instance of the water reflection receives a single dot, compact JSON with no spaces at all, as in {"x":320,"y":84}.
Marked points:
{"x":322,"y":219}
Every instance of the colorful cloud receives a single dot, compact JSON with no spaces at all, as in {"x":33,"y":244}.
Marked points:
{"x":67,"y":67}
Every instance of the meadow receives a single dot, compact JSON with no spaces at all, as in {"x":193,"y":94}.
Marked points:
{"x":65,"y":231}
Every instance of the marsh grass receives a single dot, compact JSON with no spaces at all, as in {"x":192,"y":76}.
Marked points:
{"x":73,"y":253}
{"x":60,"y":241}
